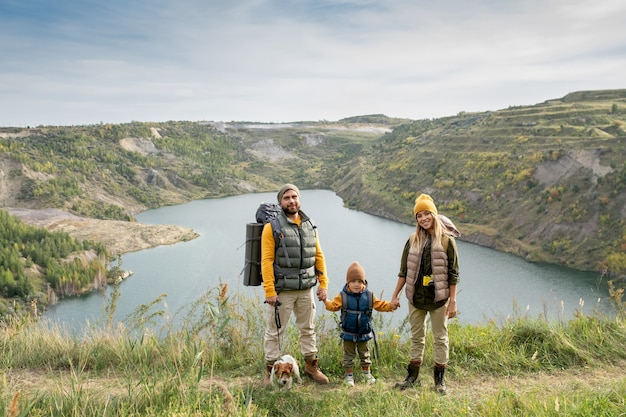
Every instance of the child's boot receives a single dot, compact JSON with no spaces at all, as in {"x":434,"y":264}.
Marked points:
{"x":369,"y":378}
{"x":348,"y":378}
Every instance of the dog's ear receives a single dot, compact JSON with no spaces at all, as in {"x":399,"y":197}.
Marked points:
{"x":290,"y":367}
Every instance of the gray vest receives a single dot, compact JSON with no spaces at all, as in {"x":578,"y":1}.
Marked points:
{"x":294,"y":264}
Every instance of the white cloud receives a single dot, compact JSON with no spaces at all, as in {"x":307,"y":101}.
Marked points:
{"x":299,"y":59}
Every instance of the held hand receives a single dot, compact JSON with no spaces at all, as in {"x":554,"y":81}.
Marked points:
{"x":395,"y":302}
{"x":321,"y":294}
{"x":452,"y":312}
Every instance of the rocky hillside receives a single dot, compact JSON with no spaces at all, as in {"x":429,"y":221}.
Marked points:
{"x":545,"y":182}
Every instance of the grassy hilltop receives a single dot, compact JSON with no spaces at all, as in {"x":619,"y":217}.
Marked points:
{"x":212,"y":365}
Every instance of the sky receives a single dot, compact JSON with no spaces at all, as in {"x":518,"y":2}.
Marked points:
{"x":78,"y":62}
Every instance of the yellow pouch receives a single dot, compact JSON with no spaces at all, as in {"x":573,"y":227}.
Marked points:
{"x":427,"y":279}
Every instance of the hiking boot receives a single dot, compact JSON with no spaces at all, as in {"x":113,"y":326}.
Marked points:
{"x":313,"y":371}
{"x":440,"y":385}
{"x":369,"y":378}
{"x":349,"y":380}
{"x":411,"y":378}
{"x":268,"y":373}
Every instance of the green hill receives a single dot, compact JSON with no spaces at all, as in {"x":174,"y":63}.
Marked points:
{"x":545,"y":182}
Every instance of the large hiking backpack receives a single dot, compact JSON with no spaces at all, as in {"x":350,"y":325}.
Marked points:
{"x":266,"y":212}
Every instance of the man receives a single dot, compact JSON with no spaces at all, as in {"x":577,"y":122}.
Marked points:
{"x":290,"y":272}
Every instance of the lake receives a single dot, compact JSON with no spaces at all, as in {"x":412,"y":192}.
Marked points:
{"x":494,"y":285}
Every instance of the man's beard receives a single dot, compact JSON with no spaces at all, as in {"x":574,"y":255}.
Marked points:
{"x":291,"y":209}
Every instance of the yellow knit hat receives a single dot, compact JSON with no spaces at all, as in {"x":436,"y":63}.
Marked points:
{"x":355,"y":273}
{"x":424,"y":202}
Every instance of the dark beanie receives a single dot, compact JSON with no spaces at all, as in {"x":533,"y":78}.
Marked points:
{"x":355,"y":273}
{"x":285,"y":188}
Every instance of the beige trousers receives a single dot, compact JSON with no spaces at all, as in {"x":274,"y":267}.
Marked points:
{"x":439,"y":324}
{"x":302,"y":304}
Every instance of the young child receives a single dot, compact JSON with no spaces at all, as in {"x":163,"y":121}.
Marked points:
{"x":356,"y":303}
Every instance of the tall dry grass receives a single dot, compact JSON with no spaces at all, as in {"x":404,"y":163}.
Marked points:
{"x":207,"y":360}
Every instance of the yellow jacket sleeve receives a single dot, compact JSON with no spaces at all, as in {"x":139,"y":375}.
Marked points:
{"x":267,"y":260}
{"x":334,"y":304}
{"x":320,"y":264}
{"x":380,"y":305}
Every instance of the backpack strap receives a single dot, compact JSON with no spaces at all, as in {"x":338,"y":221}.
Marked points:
{"x":370,"y":300}
{"x":345,"y":310}
{"x":370,"y":296}
{"x":279,"y":238}
{"x":344,"y":304}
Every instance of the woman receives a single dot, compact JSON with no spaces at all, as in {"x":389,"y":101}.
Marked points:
{"x":429,"y":268}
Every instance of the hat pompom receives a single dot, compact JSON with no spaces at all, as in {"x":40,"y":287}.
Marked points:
{"x":424,"y":203}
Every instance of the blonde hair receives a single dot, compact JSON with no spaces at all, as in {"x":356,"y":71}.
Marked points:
{"x":419,"y":237}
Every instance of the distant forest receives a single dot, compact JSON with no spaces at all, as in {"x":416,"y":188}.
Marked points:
{"x":34,"y":261}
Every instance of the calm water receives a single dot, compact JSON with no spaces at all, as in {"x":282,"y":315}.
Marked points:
{"x":493,"y":285}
